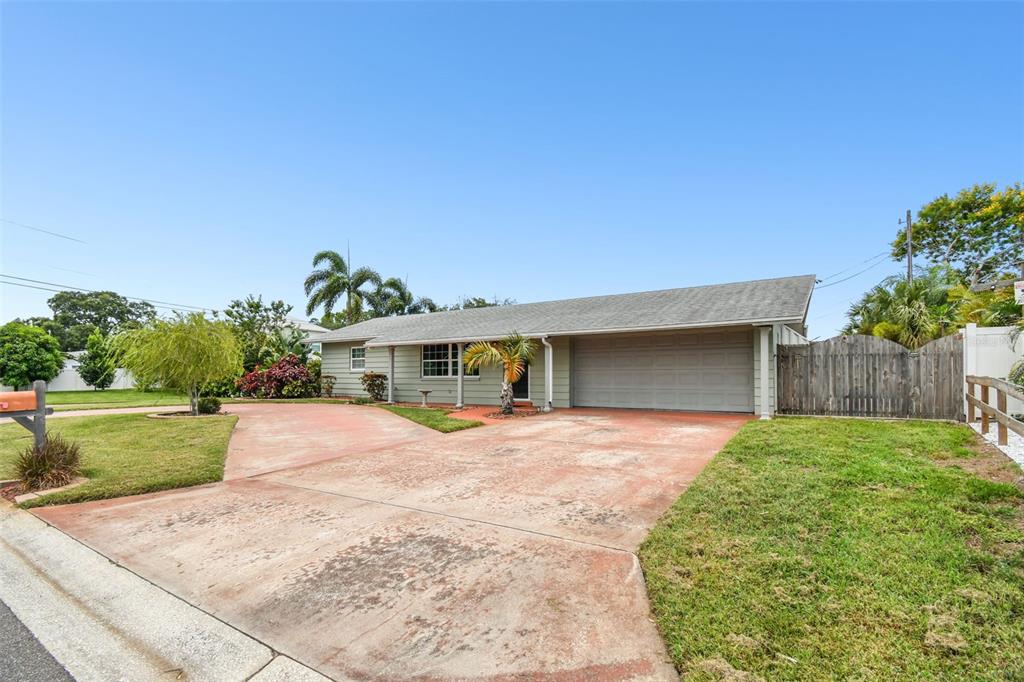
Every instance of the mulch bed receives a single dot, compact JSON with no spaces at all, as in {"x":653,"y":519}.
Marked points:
{"x":515,"y":415}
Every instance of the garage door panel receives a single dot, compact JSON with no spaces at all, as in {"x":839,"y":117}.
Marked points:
{"x":686,"y":371}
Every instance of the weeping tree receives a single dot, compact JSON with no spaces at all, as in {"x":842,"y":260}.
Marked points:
{"x":512,"y":353}
{"x":182,"y":353}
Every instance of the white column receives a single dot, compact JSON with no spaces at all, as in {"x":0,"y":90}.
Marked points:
{"x":549,"y":375}
{"x":458,"y":399}
{"x":391,"y":374}
{"x":765,"y":388}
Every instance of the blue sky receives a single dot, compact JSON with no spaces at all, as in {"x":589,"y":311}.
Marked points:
{"x":205,"y":151}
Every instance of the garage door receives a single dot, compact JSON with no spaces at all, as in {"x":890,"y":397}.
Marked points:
{"x":679,"y":371}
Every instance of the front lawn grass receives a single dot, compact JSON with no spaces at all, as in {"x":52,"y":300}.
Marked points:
{"x":434,"y":418}
{"x":129,"y":454}
{"x":61,"y":401}
{"x":814,"y":549}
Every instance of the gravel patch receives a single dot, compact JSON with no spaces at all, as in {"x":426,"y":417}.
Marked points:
{"x":1014,"y":448}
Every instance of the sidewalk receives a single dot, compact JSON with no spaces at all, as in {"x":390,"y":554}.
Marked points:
{"x":101,"y":621}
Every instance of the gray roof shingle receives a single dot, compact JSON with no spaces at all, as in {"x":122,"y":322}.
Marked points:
{"x":766,"y":300}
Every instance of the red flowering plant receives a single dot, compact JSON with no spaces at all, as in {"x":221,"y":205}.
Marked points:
{"x":288,"y":377}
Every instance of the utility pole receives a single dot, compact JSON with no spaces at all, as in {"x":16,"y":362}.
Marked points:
{"x":910,"y":248}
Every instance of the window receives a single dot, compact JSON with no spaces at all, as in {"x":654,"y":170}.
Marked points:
{"x":442,"y":360}
{"x":357,"y":359}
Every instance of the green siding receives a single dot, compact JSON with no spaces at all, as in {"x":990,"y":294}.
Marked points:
{"x":482,"y":390}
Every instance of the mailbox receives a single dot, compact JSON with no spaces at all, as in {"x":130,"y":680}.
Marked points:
{"x":17,"y":401}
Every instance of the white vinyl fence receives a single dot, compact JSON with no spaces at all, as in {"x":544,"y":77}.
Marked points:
{"x":991,"y":352}
{"x":70,"y":380}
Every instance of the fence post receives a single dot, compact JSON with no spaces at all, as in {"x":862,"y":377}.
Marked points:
{"x":1000,"y":426}
{"x":984,"y":414}
{"x":970,"y":405}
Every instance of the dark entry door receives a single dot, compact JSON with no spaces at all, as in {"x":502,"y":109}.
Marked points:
{"x":521,"y":389}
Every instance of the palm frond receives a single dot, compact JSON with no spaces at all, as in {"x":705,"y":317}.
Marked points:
{"x":333,"y":259}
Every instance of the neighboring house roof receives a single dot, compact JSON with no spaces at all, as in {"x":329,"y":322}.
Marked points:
{"x":308,"y":327}
{"x":760,"y":301}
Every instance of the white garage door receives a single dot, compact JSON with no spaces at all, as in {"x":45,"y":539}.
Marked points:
{"x":679,"y":371}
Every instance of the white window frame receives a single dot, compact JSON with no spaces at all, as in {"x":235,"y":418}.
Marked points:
{"x":352,"y":359}
{"x":453,"y":364}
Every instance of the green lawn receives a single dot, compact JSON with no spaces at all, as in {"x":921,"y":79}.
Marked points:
{"x":97,"y":400}
{"x":434,"y":418}
{"x":131,"y":453}
{"x":815,"y":549}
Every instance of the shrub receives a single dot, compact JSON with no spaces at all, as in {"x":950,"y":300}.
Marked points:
{"x":375,"y":384}
{"x":272,"y":381}
{"x":220,"y":389}
{"x":1016,"y":375}
{"x":55,"y":464}
{"x":96,"y":365}
{"x":327,"y":384}
{"x":27,"y":354}
{"x":209,"y":405}
{"x":362,"y":400}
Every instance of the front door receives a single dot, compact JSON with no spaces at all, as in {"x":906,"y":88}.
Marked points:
{"x":521,"y":389}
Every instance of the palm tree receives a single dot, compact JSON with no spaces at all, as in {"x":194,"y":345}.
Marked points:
{"x":328,"y":284}
{"x":513,"y":354}
{"x":392,"y":297}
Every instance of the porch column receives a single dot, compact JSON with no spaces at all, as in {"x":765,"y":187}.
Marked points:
{"x":765,"y":388}
{"x":458,"y":398}
{"x":549,"y":375}
{"x":391,"y":374}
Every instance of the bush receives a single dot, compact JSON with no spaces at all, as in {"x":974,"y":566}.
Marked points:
{"x":327,"y":385}
{"x":288,"y":372}
{"x":209,"y":405}
{"x":96,"y":364}
{"x":27,"y":354}
{"x":220,"y":389}
{"x":362,"y":400}
{"x":1016,"y":375}
{"x":53,"y":465}
{"x":375,"y":384}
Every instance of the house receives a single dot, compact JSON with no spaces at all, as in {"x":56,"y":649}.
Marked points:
{"x":698,"y":348}
{"x":310,"y":331}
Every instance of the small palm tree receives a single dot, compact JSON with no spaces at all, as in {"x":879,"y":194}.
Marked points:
{"x":513,"y":353}
{"x":392,"y":297}
{"x":328,"y":284}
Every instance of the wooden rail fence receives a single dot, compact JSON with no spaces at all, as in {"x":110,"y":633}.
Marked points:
{"x":866,"y":376}
{"x":998,"y":412}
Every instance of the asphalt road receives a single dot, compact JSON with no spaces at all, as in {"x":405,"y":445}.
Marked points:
{"x":22,"y":657}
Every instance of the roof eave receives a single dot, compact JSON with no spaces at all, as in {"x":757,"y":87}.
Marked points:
{"x":585,"y":332}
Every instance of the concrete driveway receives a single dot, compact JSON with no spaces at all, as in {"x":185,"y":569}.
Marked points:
{"x":371,"y":548}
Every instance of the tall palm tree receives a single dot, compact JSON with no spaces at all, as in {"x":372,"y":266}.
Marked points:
{"x":326,"y":285}
{"x":512,"y":353}
{"x":392,"y":297}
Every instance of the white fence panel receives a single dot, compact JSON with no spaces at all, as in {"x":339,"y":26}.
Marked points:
{"x":991,"y":352}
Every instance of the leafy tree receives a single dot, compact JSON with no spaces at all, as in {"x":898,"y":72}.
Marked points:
{"x":96,"y":366}
{"x":393,"y":297}
{"x":513,"y":354}
{"x":28,"y":354}
{"x":326,"y":285}
{"x":911,"y":313}
{"x":77,"y":314}
{"x":181,"y":353}
{"x":478,"y":302}
{"x":980,"y":231}
{"x":264,"y":331}
{"x":330,"y":320}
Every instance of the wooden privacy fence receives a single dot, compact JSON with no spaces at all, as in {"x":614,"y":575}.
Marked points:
{"x":865,"y":376}
{"x":998,"y":412}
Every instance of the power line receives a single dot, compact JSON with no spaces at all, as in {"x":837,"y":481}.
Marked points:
{"x":825,"y":279}
{"x":845,"y":279}
{"x":33,"y":286}
{"x":65,"y":287}
{"x":39,"y":229}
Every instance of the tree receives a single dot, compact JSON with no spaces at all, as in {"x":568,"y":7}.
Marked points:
{"x":181,"y":353}
{"x":28,"y":354}
{"x":513,"y":354}
{"x":264,"y":331}
{"x":392,"y":297}
{"x":330,"y":320}
{"x":980,"y":232}
{"x":96,"y":366}
{"x":325,"y":286}
{"x":478,"y":302}
{"x":911,"y":313}
{"x":77,"y":314}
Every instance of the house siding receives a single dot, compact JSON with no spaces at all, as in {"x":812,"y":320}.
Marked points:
{"x":772,"y":336}
{"x":482,"y":390}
